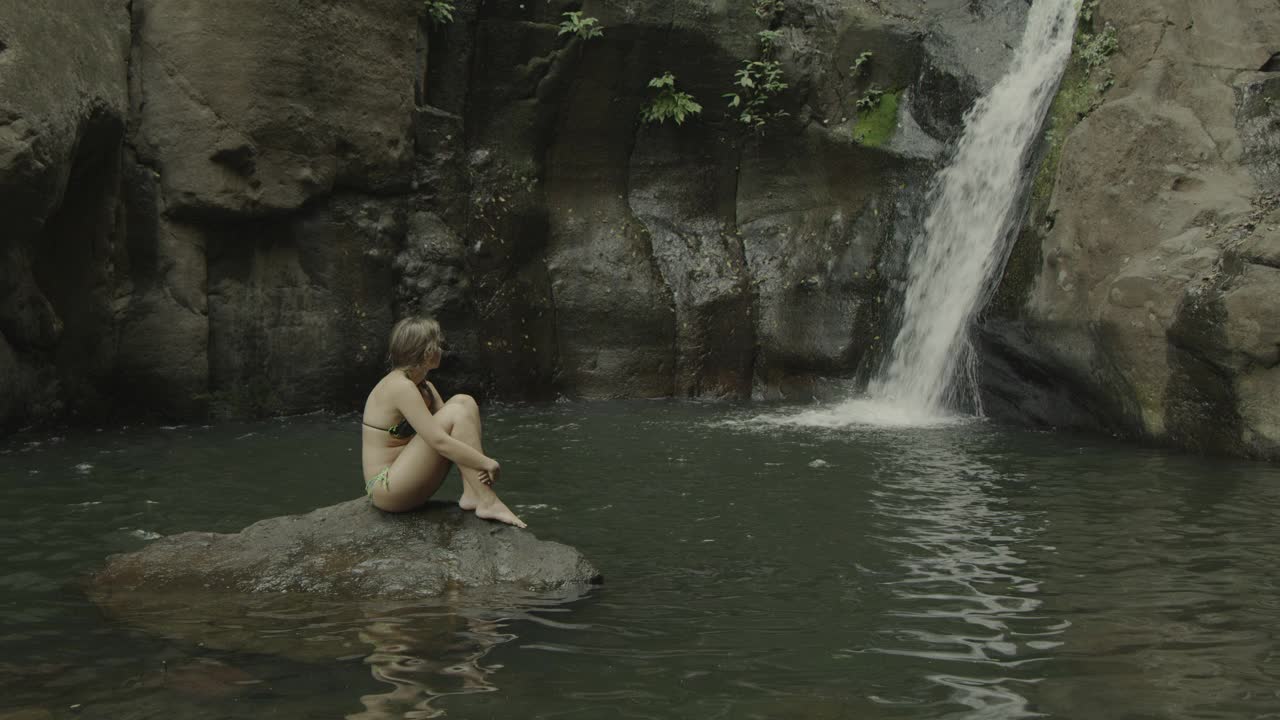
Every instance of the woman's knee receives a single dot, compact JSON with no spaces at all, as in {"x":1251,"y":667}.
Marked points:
{"x":465,"y":403}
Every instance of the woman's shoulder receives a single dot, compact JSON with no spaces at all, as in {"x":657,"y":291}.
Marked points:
{"x":390,"y":383}
{"x":387,"y":394}
{"x":395,"y":382}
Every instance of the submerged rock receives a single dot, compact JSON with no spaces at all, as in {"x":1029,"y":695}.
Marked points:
{"x":349,"y":550}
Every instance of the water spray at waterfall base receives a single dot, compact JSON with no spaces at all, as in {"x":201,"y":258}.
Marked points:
{"x":963,"y":246}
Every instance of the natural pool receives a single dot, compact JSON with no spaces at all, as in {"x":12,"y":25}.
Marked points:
{"x":969,"y":571}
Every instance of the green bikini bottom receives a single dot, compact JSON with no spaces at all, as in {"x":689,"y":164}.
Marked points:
{"x":383,"y":478}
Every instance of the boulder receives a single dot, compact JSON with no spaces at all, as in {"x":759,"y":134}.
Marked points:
{"x":350,"y":551}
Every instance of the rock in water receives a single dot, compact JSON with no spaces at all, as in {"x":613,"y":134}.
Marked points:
{"x":351,"y":550}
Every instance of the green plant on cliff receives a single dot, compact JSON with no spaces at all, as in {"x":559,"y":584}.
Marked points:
{"x":440,"y":12}
{"x":860,"y":65}
{"x":757,"y":83}
{"x":870,"y":99}
{"x":768,"y":40}
{"x":1086,"y":12}
{"x":583,"y":27}
{"x":669,"y":103}
{"x":768,"y":9}
{"x":1095,"y":51}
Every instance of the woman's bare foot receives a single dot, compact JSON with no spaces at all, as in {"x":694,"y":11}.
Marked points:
{"x":497,"y":510}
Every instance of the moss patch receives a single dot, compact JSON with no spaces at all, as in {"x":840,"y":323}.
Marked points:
{"x":1084,"y":82}
{"x":1076,"y":98}
{"x":876,"y":126}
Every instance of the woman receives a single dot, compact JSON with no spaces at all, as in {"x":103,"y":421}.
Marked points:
{"x":410,"y":434}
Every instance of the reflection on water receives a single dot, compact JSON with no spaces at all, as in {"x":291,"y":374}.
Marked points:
{"x":966,"y":596}
{"x":416,"y":653}
{"x":428,"y":654}
{"x":754,"y":570}
{"x":420,"y":671}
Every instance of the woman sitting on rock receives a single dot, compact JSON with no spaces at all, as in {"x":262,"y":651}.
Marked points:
{"x":410,"y":434}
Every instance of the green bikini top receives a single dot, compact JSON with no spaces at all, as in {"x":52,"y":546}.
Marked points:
{"x":400,"y":431}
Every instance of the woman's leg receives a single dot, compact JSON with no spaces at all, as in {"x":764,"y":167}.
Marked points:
{"x":418,"y":472}
{"x":413,"y":478}
{"x":464,"y":416}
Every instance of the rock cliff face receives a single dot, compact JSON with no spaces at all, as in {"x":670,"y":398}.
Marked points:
{"x":1143,"y":297}
{"x":63,"y":112}
{"x":222,"y":207}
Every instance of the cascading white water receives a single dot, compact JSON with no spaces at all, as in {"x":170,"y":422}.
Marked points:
{"x":953,"y":263}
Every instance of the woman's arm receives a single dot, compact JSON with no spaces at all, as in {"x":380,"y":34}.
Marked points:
{"x":432,"y":397}
{"x":409,"y":401}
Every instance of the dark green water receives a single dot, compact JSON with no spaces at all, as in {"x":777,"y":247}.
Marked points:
{"x":962,"y":572}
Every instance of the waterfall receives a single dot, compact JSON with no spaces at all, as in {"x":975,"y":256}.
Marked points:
{"x":962,"y":246}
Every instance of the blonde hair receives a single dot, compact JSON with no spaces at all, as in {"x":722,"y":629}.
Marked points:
{"x":412,"y":339}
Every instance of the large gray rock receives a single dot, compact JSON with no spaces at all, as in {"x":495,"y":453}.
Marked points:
{"x":1149,"y":299}
{"x":353,"y":551}
{"x":341,"y":582}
